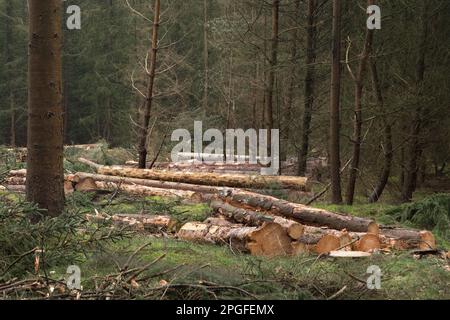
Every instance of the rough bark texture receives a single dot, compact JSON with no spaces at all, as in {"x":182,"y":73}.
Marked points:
{"x":143,"y":130}
{"x":414,"y":148}
{"x":358,"y":121}
{"x":388,"y":147}
{"x":253,"y":218}
{"x":335,"y":162}
{"x":298,"y":212}
{"x":270,"y":85}
{"x":138,"y":222}
{"x":45,"y":119}
{"x":269,"y":240}
{"x":145,"y":191}
{"x":213,"y":179}
{"x":309,"y":85}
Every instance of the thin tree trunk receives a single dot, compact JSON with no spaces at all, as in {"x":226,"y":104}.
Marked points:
{"x":272,"y":69}
{"x":415,"y":148}
{"x":335,"y":163}
{"x":45,"y":177}
{"x":289,"y":116}
{"x":143,"y":130}
{"x":9,"y":71}
{"x":388,"y":152}
{"x":205,"y":56}
{"x":357,"y":125}
{"x":309,"y":86}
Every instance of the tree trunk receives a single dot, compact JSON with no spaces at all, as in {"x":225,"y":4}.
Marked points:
{"x":289,"y":116}
{"x":255,"y":219}
{"x":270,"y":240}
{"x":206,"y":178}
{"x":205,"y":56}
{"x":45,"y":177}
{"x":388,"y":152}
{"x":415,"y":148}
{"x":309,"y":85}
{"x":335,"y":162}
{"x":357,"y":124}
{"x":270,"y":89}
{"x":143,"y":130}
{"x":297,"y":212}
{"x":9,"y":70}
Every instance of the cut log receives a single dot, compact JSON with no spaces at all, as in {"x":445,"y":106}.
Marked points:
{"x":327,"y":244}
{"x":86,"y":185}
{"x":16,"y":180}
{"x":269,"y":240}
{"x":252,"y":218}
{"x":201,"y":178}
{"x":349,"y":254}
{"x":18,"y":173}
{"x":16,"y":188}
{"x":138,"y":222}
{"x":149,"y":183}
{"x":151,"y":224}
{"x":369,"y":243}
{"x":298,"y":212}
{"x":147,"y":191}
{"x":68,"y":187}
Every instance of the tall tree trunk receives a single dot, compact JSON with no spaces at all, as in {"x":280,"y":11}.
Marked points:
{"x":288,"y":115}
{"x":9,"y":71}
{"x":143,"y":130}
{"x":388,"y":148}
{"x":309,"y":85}
{"x":335,"y":162}
{"x":45,"y":177}
{"x":415,"y":148}
{"x":272,"y":68}
{"x":357,"y":124}
{"x":205,"y":56}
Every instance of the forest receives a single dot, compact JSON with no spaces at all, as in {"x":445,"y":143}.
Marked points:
{"x":224,"y":149}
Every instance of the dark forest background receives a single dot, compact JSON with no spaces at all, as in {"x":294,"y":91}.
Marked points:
{"x":104,"y":70}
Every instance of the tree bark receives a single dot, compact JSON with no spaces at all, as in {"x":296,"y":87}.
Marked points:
{"x":212,"y":179}
{"x":255,"y":219}
{"x":415,"y":148}
{"x":45,"y":175}
{"x":357,"y":123}
{"x":143,"y":130}
{"x":309,"y":85}
{"x":335,"y":162}
{"x":270,"y":240}
{"x":9,"y":70}
{"x":388,"y":152}
{"x":205,"y":56}
{"x":270,"y":89}
{"x":297,"y":212}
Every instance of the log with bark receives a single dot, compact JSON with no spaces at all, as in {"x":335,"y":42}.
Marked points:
{"x":205,"y":178}
{"x":138,"y":222}
{"x":298,"y":212}
{"x":269,"y":240}
{"x":252,"y":218}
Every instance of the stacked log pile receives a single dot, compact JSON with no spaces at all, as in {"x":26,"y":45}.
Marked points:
{"x":245,"y":221}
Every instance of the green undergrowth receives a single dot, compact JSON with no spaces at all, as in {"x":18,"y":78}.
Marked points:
{"x":192,"y":264}
{"x":302,"y":277}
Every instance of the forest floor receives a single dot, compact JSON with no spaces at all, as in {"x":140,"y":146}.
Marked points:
{"x":185,"y":270}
